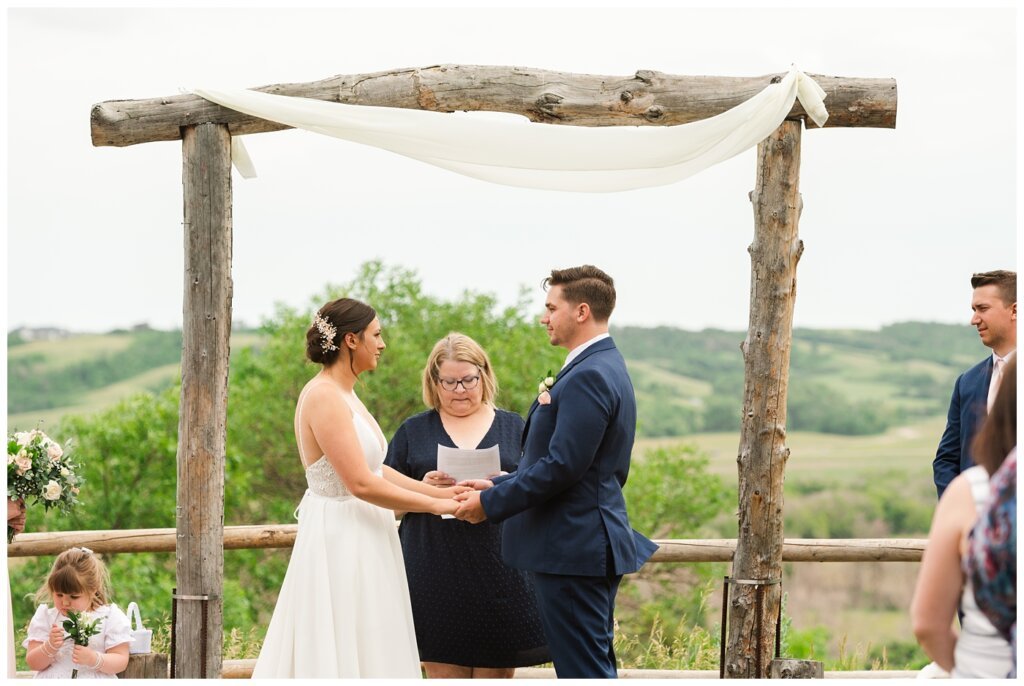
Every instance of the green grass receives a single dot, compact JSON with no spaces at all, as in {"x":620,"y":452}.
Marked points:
{"x":67,"y":351}
{"x":937,"y":370}
{"x":860,"y":390}
{"x":862,"y":608}
{"x":685,"y":386}
{"x":907,"y":448}
{"x":96,"y":400}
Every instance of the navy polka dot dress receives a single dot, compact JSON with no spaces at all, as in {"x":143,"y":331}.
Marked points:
{"x":469,"y":608}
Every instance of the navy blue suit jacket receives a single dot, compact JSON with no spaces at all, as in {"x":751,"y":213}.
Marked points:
{"x":563,"y":505}
{"x":967,"y":408}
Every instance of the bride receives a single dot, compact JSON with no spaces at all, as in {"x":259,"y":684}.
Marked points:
{"x":344,"y":609}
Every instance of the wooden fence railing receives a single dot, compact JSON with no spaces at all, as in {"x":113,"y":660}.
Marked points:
{"x":669,"y":550}
{"x":283,"y":536}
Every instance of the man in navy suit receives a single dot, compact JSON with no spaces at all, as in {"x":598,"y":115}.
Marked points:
{"x":565,"y":517}
{"x":995,"y":316}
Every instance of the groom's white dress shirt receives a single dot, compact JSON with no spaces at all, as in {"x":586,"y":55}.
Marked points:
{"x":578,"y":350}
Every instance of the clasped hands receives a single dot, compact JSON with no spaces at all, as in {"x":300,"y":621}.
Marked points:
{"x":469,"y":510}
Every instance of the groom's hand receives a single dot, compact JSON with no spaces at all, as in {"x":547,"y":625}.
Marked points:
{"x":470,"y":509}
{"x":477,"y":484}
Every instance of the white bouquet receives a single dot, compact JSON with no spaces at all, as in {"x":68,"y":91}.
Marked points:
{"x":39,"y":468}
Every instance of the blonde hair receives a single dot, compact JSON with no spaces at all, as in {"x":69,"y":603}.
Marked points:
{"x":457,"y":347}
{"x":77,"y":570}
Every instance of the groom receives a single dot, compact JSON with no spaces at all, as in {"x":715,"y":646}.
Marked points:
{"x":566,"y":515}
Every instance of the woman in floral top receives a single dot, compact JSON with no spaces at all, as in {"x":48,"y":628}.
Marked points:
{"x":991,"y":561}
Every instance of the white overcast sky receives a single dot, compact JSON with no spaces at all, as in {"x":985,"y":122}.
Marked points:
{"x":894,"y":221}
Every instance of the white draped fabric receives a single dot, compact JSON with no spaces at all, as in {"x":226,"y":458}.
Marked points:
{"x":516,"y":152}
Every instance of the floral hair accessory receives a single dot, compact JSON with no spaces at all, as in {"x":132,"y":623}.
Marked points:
{"x":327,"y":332}
{"x":85,"y":550}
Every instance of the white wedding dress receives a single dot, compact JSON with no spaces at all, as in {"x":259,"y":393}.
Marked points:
{"x":343,"y":610}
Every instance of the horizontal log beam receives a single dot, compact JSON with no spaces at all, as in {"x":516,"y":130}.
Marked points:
{"x":646,"y":98}
{"x":798,"y":550}
{"x":146,"y":540}
{"x":283,"y":536}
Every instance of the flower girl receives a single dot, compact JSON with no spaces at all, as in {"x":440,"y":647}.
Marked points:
{"x":78,"y":585}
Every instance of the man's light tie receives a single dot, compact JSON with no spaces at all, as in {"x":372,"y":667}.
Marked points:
{"x":997,"y":377}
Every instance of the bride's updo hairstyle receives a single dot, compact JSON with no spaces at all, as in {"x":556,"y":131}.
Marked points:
{"x":325,"y":336}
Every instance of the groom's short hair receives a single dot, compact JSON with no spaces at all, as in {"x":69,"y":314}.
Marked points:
{"x":586,"y":284}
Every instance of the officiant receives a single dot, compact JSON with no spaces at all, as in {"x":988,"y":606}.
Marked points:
{"x":474,"y":616}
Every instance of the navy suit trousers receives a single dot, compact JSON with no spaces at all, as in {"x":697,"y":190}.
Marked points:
{"x":577,"y":613}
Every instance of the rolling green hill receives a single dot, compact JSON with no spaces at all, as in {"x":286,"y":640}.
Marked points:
{"x":842,"y":381}
{"x":82,"y":374}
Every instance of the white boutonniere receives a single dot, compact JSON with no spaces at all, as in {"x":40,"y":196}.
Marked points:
{"x":544,"y":397}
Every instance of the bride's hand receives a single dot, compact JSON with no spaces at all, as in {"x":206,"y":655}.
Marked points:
{"x":443,"y":506}
{"x":439,"y":479}
{"x":452,"y":491}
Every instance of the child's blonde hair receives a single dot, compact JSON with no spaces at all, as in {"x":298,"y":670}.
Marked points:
{"x":77,"y":570}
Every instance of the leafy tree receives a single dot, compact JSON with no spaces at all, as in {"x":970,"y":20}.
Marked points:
{"x":670,"y":494}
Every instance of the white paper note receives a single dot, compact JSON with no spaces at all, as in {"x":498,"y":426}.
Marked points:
{"x":462,"y":464}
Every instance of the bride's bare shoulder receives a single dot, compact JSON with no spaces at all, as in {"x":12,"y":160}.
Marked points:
{"x":322,"y":397}
{"x":318,"y":387}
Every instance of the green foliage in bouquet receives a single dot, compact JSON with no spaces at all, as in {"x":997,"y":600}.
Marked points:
{"x":39,"y":469}
{"x":80,"y":629}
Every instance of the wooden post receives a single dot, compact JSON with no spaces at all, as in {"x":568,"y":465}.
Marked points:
{"x":796,"y":669}
{"x":145,"y":666}
{"x":206,"y":176}
{"x":763,"y":453}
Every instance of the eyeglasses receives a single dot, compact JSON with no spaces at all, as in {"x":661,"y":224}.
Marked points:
{"x":468,"y":384}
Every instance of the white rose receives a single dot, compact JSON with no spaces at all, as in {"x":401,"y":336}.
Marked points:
{"x":23,"y":461}
{"x":54,"y":451}
{"x":65,"y":472}
{"x":53,"y":490}
{"x":543,"y":387}
{"x":23,"y":437}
